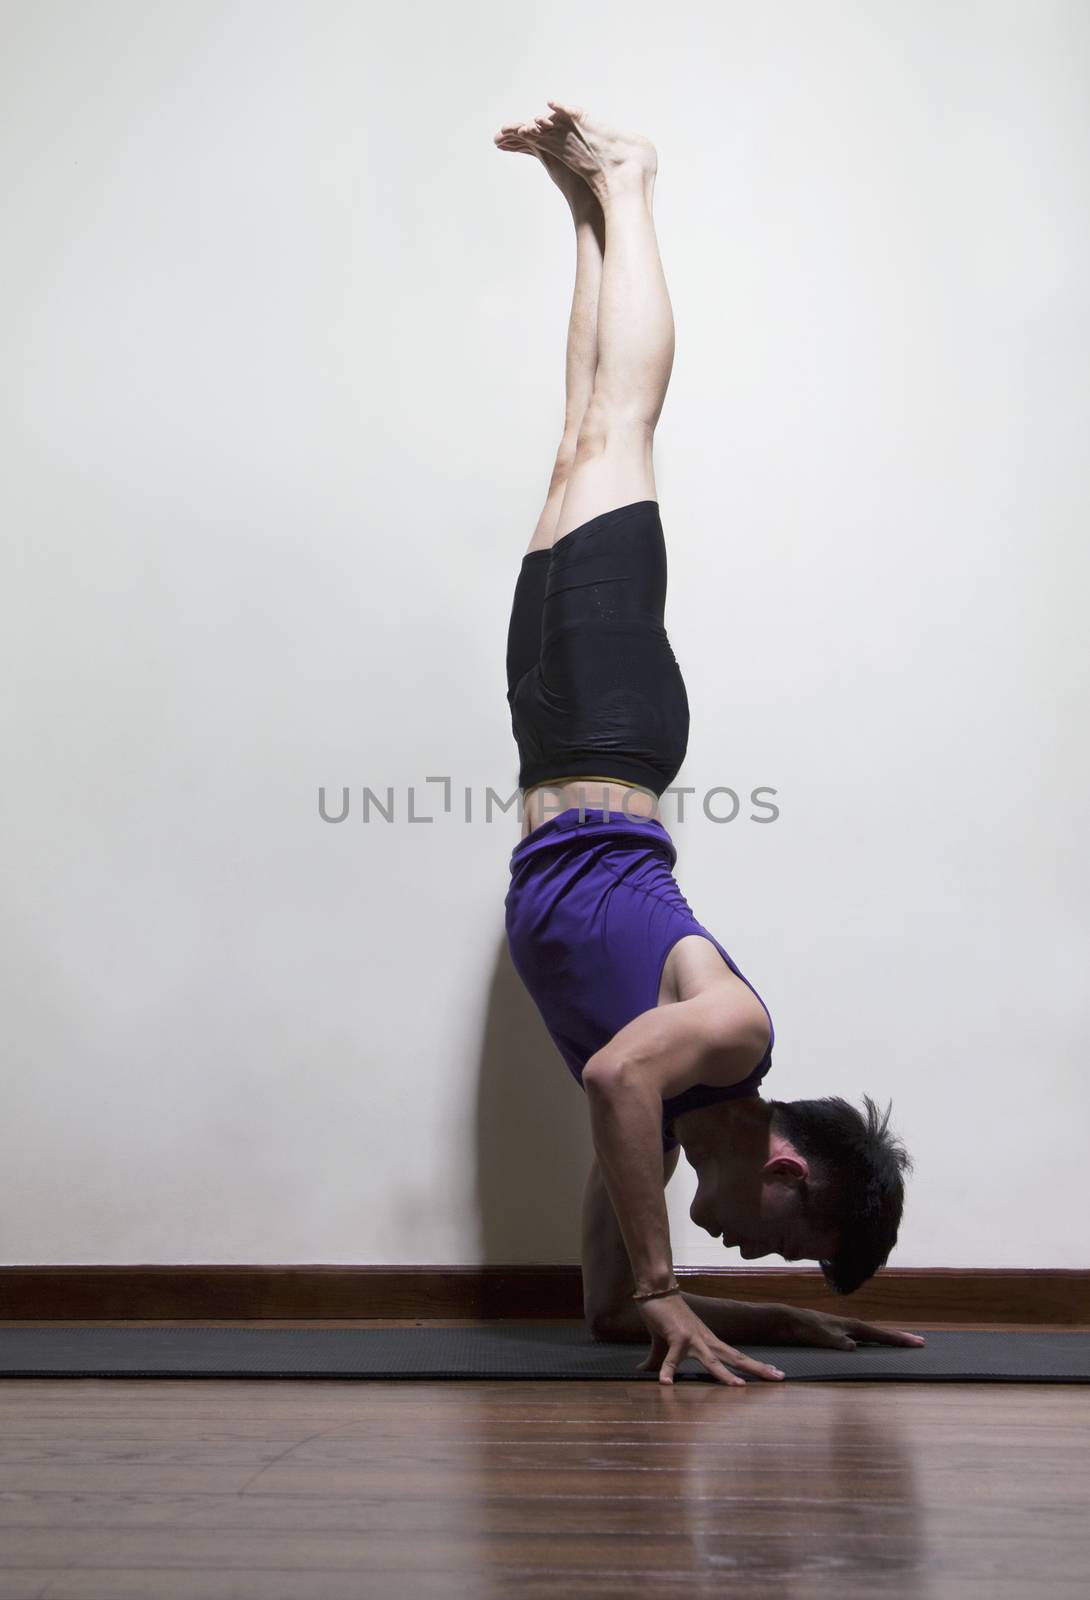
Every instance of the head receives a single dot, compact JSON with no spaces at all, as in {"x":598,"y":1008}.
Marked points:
{"x":804,"y":1179}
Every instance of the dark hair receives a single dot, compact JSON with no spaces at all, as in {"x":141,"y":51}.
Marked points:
{"x":856,"y":1187}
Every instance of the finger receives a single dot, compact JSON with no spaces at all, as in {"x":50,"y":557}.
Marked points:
{"x":759,"y":1369}
{"x":763,"y":1369}
{"x":722,"y":1372}
{"x":666,"y":1372}
{"x":654,"y":1357}
{"x":866,"y":1331}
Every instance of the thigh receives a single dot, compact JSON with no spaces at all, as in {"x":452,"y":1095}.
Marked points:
{"x":614,"y":465}
{"x":606,"y":696}
{"x":609,"y":570}
{"x":524,"y":627}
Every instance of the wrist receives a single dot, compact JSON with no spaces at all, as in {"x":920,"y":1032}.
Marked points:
{"x":656,"y":1291}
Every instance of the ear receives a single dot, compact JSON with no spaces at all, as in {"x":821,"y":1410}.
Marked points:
{"x":787,"y":1167}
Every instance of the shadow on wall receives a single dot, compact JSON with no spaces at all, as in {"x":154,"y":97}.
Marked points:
{"x":534,"y":1147}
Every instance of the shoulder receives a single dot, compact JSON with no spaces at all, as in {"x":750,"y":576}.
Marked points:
{"x":710,"y":1039}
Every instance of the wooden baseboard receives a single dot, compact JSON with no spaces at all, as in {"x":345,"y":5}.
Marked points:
{"x":1056,"y":1296}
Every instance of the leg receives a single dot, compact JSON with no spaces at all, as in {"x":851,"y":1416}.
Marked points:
{"x":582,"y":350}
{"x":626,"y":708}
{"x":613,"y":463}
{"x":582,"y":355}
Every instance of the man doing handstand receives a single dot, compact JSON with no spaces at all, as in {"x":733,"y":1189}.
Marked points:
{"x":667,"y":1037}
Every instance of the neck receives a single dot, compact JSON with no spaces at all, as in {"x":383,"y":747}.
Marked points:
{"x":735,"y":1127}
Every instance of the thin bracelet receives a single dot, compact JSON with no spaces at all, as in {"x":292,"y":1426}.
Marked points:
{"x":658,"y":1294}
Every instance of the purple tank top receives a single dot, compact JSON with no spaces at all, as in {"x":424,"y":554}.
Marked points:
{"x":592,"y":912}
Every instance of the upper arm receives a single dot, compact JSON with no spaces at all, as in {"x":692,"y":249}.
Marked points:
{"x":708,"y":1039}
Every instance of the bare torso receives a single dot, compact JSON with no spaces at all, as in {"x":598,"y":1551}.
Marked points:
{"x":593,"y":794}
{"x":694,"y":965}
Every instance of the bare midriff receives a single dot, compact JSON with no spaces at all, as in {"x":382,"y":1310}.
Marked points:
{"x":549,"y":798}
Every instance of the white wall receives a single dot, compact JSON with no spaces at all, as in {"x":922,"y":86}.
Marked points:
{"x":283,"y":376}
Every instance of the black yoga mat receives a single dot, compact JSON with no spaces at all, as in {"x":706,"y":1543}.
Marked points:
{"x":507,"y":1350}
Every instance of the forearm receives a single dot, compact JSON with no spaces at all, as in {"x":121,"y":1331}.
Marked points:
{"x":626,"y":1126}
{"x":733,"y":1321}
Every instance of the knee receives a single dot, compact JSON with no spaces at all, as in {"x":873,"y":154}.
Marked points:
{"x":566,"y":456}
{"x":591,"y":438}
{"x":605,"y":425}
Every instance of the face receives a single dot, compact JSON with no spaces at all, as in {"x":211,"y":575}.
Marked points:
{"x":760,"y":1213}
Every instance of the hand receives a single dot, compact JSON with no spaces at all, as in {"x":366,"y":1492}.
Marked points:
{"x":677,"y":1332}
{"x":796,"y":1325}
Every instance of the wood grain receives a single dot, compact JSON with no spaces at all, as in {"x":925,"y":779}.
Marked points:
{"x":335,"y":1490}
{"x":198,"y":1293}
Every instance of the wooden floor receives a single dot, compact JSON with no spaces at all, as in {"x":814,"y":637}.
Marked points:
{"x":117,"y":1489}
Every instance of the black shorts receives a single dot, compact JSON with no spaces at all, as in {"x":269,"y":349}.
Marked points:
{"x":592,"y":683}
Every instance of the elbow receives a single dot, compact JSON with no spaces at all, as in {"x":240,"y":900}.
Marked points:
{"x":602,"y":1071}
{"x":617,"y":1328}
{"x":610,"y":1076}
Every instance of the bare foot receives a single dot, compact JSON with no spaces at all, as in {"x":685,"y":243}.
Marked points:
{"x":599,"y":154}
{"x":574,"y":188}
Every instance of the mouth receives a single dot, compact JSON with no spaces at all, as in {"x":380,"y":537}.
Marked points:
{"x":732,"y":1244}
